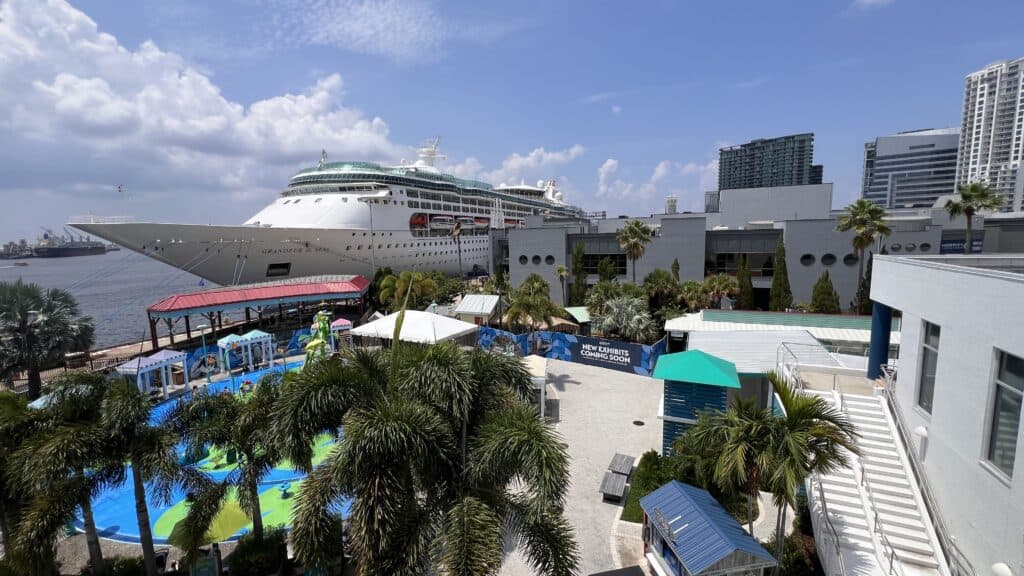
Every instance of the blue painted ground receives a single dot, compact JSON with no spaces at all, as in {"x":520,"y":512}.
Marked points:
{"x":114,"y":509}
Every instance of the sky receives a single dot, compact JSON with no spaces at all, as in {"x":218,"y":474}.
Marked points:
{"x":200,"y":111}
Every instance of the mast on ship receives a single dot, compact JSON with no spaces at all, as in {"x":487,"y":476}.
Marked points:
{"x":430,"y":153}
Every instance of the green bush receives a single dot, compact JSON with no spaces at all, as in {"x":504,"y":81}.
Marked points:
{"x":120,"y":566}
{"x":803,"y":516}
{"x":797,"y":559}
{"x":651,"y":472}
{"x":254,"y":558}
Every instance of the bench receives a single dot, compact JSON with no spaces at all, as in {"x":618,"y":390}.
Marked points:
{"x":622,"y":464}
{"x":613,"y":486}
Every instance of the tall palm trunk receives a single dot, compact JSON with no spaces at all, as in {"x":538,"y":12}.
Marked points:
{"x":35,"y":383}
{"x":634,"y":270}
{"x":142,"y":513}
{"x":860,"y":266}
{"x":780,"y":535}
{"x":970,"y":228}
{"x":257,"y":512}
{"x":564,"y":302}
{"x":92,"y":539}
{"x":750,"y":513}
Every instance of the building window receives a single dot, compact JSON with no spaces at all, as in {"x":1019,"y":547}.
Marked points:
{"x":828,"y":259}
{"x":536,"y":260}
{"x":850,"y":260}
{"x":929,"y":363}
{"x":1009,"y":393}
{"x":523,"y":259}
{"x":925,"y":247}
{"x":549,"y":260}
{"x":807,"y":259}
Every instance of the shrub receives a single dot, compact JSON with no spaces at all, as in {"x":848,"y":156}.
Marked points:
{"x":120,"y":566}
{"x":254,"y":558}
{"x":797,"y":559}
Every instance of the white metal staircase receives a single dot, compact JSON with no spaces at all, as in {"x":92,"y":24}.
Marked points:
{"x":874,"y":506}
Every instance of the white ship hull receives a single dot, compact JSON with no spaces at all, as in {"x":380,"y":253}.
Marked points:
{"x":230,"y":255}
{"x":345,"y":218}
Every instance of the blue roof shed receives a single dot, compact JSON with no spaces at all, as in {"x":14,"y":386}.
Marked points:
{"x":689,"y":524}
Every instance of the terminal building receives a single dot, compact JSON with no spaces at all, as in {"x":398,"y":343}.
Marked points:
{"x":746,"y":222}
{"x":911,"y":169}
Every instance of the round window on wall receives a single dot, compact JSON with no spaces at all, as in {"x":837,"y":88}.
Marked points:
{"x":807,"y":259}
{"x":925,"y":247}
{"x":523,"y":260}
{"x":911,"y":247}
{"x":828,"y":259}
{"x":850,"y":259}
{"x":536,"y":260}
{"x":896,"y":247}
{"x":549,"y":260}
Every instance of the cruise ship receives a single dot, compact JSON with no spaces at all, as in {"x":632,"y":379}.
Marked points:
{"x":347,"y":218}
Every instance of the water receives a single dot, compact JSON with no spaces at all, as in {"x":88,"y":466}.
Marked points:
{"x":114,"y":288}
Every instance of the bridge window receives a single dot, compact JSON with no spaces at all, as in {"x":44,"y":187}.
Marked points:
{"x":279,"y":269}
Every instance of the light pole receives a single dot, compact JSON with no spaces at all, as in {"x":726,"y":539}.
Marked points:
{"x":202,"y":335}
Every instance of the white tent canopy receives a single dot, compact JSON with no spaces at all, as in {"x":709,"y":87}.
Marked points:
{"x":538,"y":367}
{"x":419,"y":327}
{"x":161,"y":362}
{"x":245,"y":344}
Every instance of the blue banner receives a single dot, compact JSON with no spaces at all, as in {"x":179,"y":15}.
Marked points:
{"x":957,"y":246}
{"x":502,"y":341}
{"x":601,"y":352}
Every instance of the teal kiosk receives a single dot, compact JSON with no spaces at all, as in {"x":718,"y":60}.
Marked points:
{"x":694,"y":382}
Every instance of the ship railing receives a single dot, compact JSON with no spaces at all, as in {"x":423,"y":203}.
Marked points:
{"x":93,"y":219}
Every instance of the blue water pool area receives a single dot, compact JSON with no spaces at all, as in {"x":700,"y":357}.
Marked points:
{"x":114,"y":509}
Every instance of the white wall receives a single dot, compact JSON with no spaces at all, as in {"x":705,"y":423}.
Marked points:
{"x":978,"y":311}
{"x":740,"y":206}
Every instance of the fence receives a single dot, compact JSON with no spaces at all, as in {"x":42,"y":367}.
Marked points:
{"x":601,"y":352}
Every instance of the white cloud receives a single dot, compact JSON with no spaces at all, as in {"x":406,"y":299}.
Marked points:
{"x":600,"y":97}
{"x":79,"y":108}
{"x":535,"y":165}
{"x":616,"y":109}
{"x":404,"y":30}
{"x":687,"y":180}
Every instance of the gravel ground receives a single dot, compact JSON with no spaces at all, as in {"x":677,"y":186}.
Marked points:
{"x":73,"y":555}
{"x":596,"y":410}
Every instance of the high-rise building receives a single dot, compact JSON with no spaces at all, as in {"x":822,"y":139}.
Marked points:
{"x":764,"y":163}
{"x":991,"y":150}
{"x":671,"y":205}
{"x":910,"y":169}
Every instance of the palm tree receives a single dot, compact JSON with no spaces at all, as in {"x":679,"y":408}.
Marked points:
{"x":393,"y":289}
{"x":974,"y":198}
{"x":633,"y":239}
{"x":531,"y":303}
{"x":562,"y":273}
{"x":812,"y":437}
{"x":867,"y":221}
{"x":151,"y":451}
{"x":626,"y":317}
{"x":37,"y":328}
{"x":662,"y":290}
{"x":600,"y":294}
{"x":18,"y":424}
{"x":443,"y":456}
{"x":694,"y":295}
{"x":745,"y":435}
{"x":235,"y":424}
{"x":51,"y":464}
{"x":719,"y":286}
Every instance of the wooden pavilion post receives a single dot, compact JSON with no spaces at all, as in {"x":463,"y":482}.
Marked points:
{"x":188,"y":329}
{"x":170,"y":329}
{"x":152,"y":332}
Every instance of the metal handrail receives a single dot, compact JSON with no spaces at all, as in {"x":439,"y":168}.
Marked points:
{"x":833,"y":534}
{"x":960,"y":565}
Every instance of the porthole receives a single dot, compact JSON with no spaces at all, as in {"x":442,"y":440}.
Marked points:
{"x":911,"y":246}
{"x":895,"y":247}
{"x":549,"y":260}
{"x":925,"y":247}
{"x":523,"y":260}
{"x":828,"y":259}
{"x":536,"y":260}
{"x":807,"y":259}
{"x":850,"y":259}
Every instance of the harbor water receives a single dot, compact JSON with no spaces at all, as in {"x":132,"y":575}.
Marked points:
{"x":113,"y":288}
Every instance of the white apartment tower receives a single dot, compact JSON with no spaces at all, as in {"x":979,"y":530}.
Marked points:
{"x":991,"y":148}
{"x":671,"y":203}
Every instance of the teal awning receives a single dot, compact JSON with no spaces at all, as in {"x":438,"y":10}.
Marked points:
{"x":579,"y":313}
{"x":697,"y":367}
